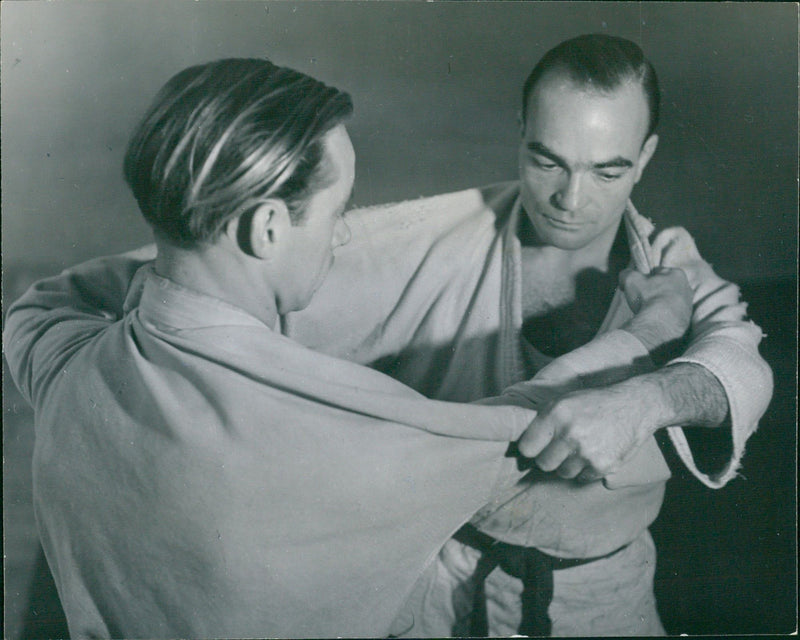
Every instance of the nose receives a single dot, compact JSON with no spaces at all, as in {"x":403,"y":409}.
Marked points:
{"x":570,"y":195}
{"x":341,"y":234}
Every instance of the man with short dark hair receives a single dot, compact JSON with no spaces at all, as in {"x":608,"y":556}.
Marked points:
{"x":196,"y":473}
{"x":463,"y":294}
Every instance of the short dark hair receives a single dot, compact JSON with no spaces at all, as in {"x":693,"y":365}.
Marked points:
{"x":600,"y":62}
{"x":222,"y":136}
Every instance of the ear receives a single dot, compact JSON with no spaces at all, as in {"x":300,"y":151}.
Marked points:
{"x":648,"y":149}
{"x":266,"y":228}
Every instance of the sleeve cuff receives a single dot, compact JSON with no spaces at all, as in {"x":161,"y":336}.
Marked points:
{"x":747,"y":382}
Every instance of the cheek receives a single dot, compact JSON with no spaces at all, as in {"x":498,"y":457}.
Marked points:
{"x":536,"y":185}
{"x":608,"y":207}
{"x":617,"y":195}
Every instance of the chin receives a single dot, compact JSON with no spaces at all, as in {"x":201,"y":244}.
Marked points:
{"x":566,"y":242}
{"x":559,"y":238}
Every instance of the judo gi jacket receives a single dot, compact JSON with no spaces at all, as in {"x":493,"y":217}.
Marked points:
{"x":198,"y":474}
{"x":430,"y":292}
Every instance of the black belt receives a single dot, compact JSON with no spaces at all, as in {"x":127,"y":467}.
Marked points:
{"x":535,"y":569}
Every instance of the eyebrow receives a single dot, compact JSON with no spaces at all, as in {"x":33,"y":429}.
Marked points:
{"x":542,"y":150}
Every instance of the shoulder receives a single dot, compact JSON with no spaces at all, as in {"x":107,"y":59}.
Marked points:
{"x":442,"y":210}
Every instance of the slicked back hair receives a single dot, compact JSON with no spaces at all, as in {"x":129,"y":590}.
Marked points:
{"x":601,"y":63}
{"x":223,"y":136}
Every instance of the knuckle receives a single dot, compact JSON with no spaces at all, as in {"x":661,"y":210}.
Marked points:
{"x":567,"y":473}
{"x":526,"y":447}
{"x":545,"y":464}
{"x":610,"y":461}
{"x":603,"y":467}
{"x":562,"y":412}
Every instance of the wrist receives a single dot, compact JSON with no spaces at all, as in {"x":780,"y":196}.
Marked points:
{"x":662,"y":339}
{"x":646,"y":398}
{"x":644,"y":332}
{"x":653,"y":327}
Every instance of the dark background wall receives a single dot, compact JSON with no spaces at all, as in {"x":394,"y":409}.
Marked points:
{"x":436,"y":91}
{"x":436,"y":88}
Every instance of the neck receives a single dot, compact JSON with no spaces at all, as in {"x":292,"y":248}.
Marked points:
{"x":595,"y":255}
{"x":217,"y":271}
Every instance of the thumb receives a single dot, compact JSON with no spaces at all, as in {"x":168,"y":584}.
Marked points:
{"x":632,"y":284}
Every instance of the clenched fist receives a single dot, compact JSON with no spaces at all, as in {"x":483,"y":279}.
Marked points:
{"x":661,"y":302}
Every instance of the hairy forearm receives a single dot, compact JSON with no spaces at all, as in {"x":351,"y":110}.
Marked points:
{"x":682,"y":394}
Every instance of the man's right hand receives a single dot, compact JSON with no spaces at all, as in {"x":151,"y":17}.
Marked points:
{"x":661,"y":303}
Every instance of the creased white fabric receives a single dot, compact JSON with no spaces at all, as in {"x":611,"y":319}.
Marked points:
{"x":609,"y":597}
{"x":430,"y":293}
{"x":199,"y":475}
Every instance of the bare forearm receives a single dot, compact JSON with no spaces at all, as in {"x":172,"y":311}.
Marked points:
{"x":683,"y":394}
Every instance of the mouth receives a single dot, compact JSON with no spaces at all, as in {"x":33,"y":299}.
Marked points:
{"x":561,"y":224}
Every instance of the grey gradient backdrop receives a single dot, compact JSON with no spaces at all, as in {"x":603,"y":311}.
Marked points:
{"x":436,"y":91}
{"x":436,"y":88}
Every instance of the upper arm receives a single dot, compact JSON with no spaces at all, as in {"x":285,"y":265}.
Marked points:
{"x":46,"y":325}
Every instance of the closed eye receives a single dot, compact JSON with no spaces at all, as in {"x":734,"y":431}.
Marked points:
{"x":610,"y":176}
{"x":544,"y":163}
